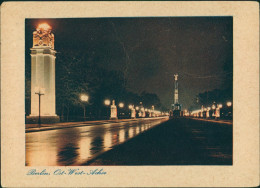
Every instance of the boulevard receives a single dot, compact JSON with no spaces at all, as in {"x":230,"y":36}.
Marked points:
{"x":76,"y":145}
{"x":150,"y":141}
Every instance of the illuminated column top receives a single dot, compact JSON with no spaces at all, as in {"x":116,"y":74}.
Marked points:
{"x":43,"y":37}
{"x":175,"y":77}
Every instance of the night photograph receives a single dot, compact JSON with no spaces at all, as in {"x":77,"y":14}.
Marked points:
{"x":129,"y":91}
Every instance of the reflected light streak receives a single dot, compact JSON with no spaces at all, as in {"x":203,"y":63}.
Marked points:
{"x":121,"y":135}
{"x":107,"y":140}
{"x":43,"y":155}
{"x":40,"y":151}
{"x":115,"y":138}
{"x":131,"y":132}
{"x":137,"y":130}
{"x":84,"y":149}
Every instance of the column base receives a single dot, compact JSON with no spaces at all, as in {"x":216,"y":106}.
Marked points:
{"x":44,"y":119}
{"x":113,"y":118}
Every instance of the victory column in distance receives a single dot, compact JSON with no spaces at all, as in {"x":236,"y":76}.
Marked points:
{"x":175,"y":107}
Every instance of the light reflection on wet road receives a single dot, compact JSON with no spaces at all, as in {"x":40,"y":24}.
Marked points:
{"x":74,"y":146}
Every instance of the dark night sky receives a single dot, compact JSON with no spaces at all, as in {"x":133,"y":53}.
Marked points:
{"x":151,"y":50}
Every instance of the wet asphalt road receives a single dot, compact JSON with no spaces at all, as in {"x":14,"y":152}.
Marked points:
{"x":77,"y":145}
{"x":180,"y":141}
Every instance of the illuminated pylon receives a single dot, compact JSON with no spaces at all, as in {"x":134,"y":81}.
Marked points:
{"x":43,"y":75}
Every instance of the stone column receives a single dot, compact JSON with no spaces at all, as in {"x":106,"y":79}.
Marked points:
{"x":217,"y":113}
{"x":113,"y":111}
{"x":133,"y":113}
{"x":152,"y":112}
{"x":207,"y":113}
{"x":142,"y":112}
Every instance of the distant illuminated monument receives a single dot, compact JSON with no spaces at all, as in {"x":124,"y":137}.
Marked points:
{"x":176,"y":101}
{"x":176,"y":105}
{"x":43,"y":102}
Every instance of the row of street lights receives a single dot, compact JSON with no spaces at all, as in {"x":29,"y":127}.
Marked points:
{"x":84,"y":98}
{"x":215,"y":108}
{"x":107,"y":102}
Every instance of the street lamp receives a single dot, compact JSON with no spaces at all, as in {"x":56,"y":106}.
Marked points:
{"x":137,"y":109}
{"x":121,"y":105}
{"x":39,"y":91}
{"x":213,"y":110}
{"x":229,"y":110}
{"x":107,"y":103}
{"x":84,"y":99}
{"x":229,"y":104}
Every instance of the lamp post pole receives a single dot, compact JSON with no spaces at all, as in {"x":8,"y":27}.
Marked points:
{"x":120,"y":105}
{"x":84,"y":98}
{"x":39,"y":120}
{"x":84,"y":112}
{"x":107,"y":103}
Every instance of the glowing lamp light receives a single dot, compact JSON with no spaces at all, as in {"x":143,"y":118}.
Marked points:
{"x":213,"y":107}
{"x":130,"y":106}
{"x":146,"y":109}
{"x":220,"y":105}
{"x":229,"y":104}
{"x":107,"y":102}
{"x":44,"y":26}
{"x":84,"y":97}
{"x":121,"y":105}
{"x":137,"y":108}
{"x":208,"y":108}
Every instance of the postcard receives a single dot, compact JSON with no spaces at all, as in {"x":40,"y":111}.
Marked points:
{"x":130,"y":94}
